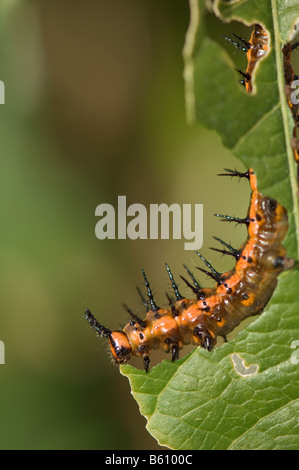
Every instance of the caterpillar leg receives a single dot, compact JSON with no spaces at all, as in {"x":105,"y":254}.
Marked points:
{"x":175,"y":352}
{"x":173,"y":347}
{"x":146,"y":363}
{"x":204,"y":338}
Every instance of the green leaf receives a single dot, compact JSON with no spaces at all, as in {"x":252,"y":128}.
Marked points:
{"x":244,"y":394}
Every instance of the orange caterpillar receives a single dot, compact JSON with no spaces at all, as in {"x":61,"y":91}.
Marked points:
{"x":256,"y":48}
{"x":240,"y":293}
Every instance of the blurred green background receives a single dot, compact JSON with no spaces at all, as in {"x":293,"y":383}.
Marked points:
{"x":94,"y":109}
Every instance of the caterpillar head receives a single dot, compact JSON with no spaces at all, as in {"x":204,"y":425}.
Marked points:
{"x":118,"y":340}
{"x":120,"y":347}
{"x":276,"y":218}
{"x":268,"y":218}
